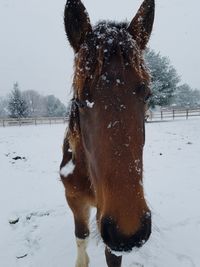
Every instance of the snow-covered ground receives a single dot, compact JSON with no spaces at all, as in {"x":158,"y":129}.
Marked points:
{"x":32,"y":194}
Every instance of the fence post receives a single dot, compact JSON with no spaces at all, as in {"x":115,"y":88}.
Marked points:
{"x":161,"y":114}
{"x":150,"y":115}
{"x":173,"y":114}
{"x":187,"y":114}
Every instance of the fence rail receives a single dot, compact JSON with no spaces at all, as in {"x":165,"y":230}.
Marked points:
{"x":32,"y":121}
{"x":172,"y":114}
{"x":163,"y":115}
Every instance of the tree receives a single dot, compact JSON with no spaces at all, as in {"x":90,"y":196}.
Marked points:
{"x":31,"y":104}
{"x":3,"y":107}
{"x":164,"y":78}
{"x":17,"y":105}
{"x":54,"y":107}
{"x":185,"y":96}
{"x":35,"y":102}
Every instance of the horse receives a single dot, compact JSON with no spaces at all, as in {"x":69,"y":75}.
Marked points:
{"x":102,"y":163}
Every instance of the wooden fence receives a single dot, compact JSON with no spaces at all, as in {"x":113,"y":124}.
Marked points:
{"x":172,"y":114}
{"x":163,"y":115}
{"x":32,"y":121}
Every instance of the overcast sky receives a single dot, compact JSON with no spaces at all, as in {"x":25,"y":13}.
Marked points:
{"x":34,"y":50}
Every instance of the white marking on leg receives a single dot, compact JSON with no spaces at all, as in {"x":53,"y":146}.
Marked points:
{"x":82,"y":256}
{"x":67,"y":169}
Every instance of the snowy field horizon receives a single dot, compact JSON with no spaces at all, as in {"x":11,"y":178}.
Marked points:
{"x":36,"y":225}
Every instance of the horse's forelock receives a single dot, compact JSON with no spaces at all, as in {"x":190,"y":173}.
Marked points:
{"x":114,"y":38}
{"x":107,"y":39}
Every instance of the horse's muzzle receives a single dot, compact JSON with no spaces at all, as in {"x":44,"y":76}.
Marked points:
{"x":116,"y":241}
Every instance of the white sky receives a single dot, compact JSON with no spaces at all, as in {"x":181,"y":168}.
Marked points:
{"x":34,"y":50}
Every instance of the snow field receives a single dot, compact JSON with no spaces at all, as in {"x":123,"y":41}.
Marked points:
{"x":36,"y":226}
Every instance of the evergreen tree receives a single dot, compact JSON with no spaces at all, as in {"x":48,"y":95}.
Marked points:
{"x":164,"y":78}
{"x":17,"y":105}
{"x":186,"y":97}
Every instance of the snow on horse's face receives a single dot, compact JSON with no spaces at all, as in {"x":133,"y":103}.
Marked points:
{"x":110,"y":89}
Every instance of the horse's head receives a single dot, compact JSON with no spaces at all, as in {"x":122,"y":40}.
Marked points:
{"x":110,"y":88}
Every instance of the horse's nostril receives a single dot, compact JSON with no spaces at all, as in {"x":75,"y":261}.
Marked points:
{"x":115,"y":240}
{"x":107,"y":229}
{"x":145,"y":230}
{"x":146,"y":224}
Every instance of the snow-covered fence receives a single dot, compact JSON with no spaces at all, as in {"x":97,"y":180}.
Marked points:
{"x":172,"y":114}
{"x":32,"y":121}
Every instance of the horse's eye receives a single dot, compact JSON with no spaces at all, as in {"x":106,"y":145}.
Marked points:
{"x":142,"y":87}
{"x":79,"y":103}
{"x":144,"y":91}
{"x":146,"y":98}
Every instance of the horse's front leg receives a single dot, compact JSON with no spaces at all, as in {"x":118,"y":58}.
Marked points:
{"x":78,"y":195}
{"x":112,"y":260}
{"x":81,"y":217}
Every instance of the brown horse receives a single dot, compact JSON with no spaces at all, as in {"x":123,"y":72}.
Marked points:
{"x":102,"y":162}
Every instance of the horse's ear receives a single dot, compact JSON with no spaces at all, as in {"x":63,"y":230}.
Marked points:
{"x":77,"y":23}
{"x":141,"y":25}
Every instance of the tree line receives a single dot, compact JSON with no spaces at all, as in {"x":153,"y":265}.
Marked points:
{"x":30,"y":103}
{"x":166,"y":88}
